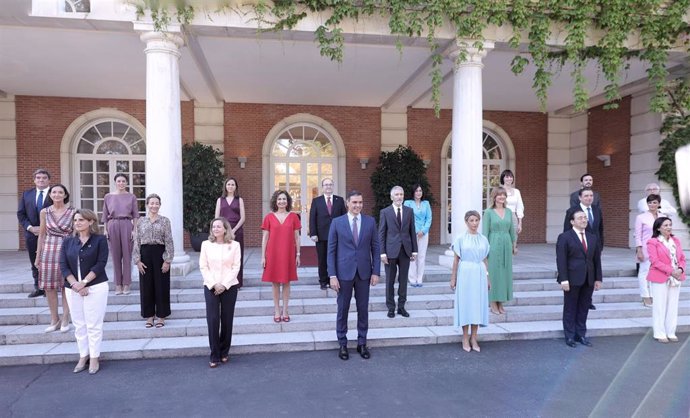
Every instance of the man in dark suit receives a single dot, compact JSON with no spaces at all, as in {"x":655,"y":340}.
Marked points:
{"x":353,"y":264}
{"x":30,"y":205}
{"x":323,"y":209}
{"x":586,"y":180}
{"x":578,"y":259}
{"x":398,"y":247}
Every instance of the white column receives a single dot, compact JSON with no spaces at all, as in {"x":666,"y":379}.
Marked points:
{"x":466,"y":137}
{"x":163,"y":129}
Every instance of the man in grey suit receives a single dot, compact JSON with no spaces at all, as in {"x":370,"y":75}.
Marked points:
{"x":30,"y":205}
{"x":398,"y":247}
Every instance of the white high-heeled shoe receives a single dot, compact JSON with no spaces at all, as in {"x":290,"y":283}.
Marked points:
{"x":52,"y":327}
{"x":65,"y":327}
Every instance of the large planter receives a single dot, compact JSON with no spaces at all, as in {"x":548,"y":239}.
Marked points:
{"x":197,"y":239}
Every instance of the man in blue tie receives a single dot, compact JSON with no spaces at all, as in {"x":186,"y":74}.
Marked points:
{"x":30,"y":205}
{"x":353,"y":264}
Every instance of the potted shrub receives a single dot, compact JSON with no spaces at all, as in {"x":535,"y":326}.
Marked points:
{"x":202,"y":182}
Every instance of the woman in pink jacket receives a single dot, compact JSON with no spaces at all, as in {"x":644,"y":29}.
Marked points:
{"x":666,"y":272}
{"x":219,"y":263}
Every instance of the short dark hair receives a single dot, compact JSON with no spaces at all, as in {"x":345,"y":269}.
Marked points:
{"x":225,"y":187}
{"x":582,"y":177}
{"x":153,"y":196}
{"x":121,"y":175}
{"x":572,"y":215}
{"x":353,"y":193}
{"x":63,"y":188}
{"x":88,"y":215}
{"x":584,"y":189}
{"x":274,"y":200}
{"x":42,"y":171}
{"x":657,"y":224}
{"x":415,"y":187}
{"x":652,"y":197}
{"x":506,"y":173}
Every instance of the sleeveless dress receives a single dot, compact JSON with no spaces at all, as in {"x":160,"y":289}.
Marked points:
{"x":231,"y":212}
{"x":471,"y":290}
{"x":57,"y":229}
{"x":281,"y":266}
{"x":501,"y":235}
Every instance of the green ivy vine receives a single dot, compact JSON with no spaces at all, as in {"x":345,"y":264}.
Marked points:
{"x":646,"y":29}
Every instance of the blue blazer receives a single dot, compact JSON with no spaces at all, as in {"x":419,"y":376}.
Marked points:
{"x":574,"y":265}
{"x":345,"y":260}
{"x":28,"y":213}
{"x":93,"y":256}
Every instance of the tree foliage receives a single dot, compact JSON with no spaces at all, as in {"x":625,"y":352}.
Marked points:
{"x":202,"y":183}
{"x":401,"y":167}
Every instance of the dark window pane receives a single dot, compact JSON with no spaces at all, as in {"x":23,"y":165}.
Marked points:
{"x":106,"y":129}
{"x":86,"y":165}
{"x":113,"y":147}
{"x":84,"y":147}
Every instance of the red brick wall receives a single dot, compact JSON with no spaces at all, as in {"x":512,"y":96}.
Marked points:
{"x":608,"y":132}
{"x":42,"y":121}
{"x":246,"y":127}
{"x":528,"y":132}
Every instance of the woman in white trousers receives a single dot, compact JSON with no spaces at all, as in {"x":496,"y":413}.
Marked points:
{"x":82,"y":263}
{"x":422,"y":224}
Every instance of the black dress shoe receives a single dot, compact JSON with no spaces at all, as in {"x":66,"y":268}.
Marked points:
{"x":403,"y":312}
{"x":584,"y":341}
{"x":391,"y":313}
{"x":324,"y":286}
{"x":363,"y":351}
{"x":592,"y":307}
{"x":36,"y":293}
{"x":570,"y":342}
{"x":343,"y":354}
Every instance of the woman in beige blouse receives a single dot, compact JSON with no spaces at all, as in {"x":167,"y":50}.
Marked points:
{"x":219,"y":263}
{"x":153,"y":252}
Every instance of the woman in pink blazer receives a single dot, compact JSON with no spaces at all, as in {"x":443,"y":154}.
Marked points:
{"x":666,"y":272}
{"x":219,"y":263}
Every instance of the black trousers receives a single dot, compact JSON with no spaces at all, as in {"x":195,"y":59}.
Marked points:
{"x":220,"y":311}
{"x":361,"y":289}
{"x":31,"y":241}
{"x":322,"y":255}
{"x":576,"y":304}
{"x":154,"y":285}
{"x":397,"y":266}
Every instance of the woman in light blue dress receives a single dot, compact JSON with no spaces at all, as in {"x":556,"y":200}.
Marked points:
{"x":470,"y":280}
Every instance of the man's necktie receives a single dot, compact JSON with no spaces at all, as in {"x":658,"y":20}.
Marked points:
{"x":355,"y":232}
{"x":590,"y":218}
{"x":39,"y":202}
{"x":584,"y":243}
{"x":329,"y":205}
{"x":399,"y":218}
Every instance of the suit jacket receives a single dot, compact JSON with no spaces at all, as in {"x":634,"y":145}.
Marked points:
{"x":320,"y":220}
{"x":596,"y":227}
{"x":92,"y":256}
{"x":574,"y":265}
{"x":660,"y":267}
{"x":28,"y":213}
{"x":345,"y":259}
{"x":393,"y":237}
{"x":575,"y":199}
{"x":220,"y":263}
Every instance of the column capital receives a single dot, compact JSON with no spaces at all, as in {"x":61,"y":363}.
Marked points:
{"x":465,"y":53}
{"x":169,"y":41}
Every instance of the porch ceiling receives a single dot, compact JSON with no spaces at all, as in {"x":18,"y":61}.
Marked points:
{"x":96,"y":59}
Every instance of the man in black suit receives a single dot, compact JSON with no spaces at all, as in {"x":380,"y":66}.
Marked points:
{"x":578,"y":259}
{"x":323,"y":210}
{"x":586,"y":180}
{"x":398,"y":247}
{"x":30,"y":205}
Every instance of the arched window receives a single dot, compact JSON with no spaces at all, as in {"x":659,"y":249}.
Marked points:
{"x":104,"y":148}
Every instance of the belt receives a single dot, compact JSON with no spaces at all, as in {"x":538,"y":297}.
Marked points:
{"x":119,"y":218}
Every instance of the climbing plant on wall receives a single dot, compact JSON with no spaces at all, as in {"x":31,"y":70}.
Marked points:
{"x":608,"y":31}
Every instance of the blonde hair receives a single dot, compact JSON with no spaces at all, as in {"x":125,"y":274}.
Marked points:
{"x":495,"y":192}
{"x":472,"y":213}
{"x":229,"y":235}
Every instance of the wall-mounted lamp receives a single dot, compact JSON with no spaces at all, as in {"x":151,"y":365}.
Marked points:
{"x":605,"y":158}
{"x":363,"y":162}
{"x":427,"y":163}
{"x":242,"y":161}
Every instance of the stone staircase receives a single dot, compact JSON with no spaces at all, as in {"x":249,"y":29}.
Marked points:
{"x":534,"y":313}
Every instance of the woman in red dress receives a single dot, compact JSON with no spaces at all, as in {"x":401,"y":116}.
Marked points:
{"x":280,"y":250}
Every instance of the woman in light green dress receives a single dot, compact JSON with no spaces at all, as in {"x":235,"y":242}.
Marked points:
{"x":498,"y":227}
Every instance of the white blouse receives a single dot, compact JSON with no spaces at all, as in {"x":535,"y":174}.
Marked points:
{"x":514,"y":202}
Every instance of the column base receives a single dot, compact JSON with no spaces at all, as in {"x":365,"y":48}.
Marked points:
{"x":182,"y":265}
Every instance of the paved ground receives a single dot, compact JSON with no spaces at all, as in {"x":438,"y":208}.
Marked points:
{"x":618,"y":377}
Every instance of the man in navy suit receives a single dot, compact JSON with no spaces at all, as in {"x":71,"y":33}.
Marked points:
{"x":323,"y":210}
{"x":33,"y":200}
{"x":578,"y":259}
{"x":353,"y":263}
{"x":398,"y":247}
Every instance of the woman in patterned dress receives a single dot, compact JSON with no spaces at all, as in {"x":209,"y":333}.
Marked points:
{"x":280,"y":250}
{"x":56,"y":225}
{"x":231,"y":207}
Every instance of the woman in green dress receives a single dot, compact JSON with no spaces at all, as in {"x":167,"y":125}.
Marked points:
{"x":498,"y":227}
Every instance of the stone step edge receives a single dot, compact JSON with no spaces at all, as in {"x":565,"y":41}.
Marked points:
{"x":51,"y":353}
